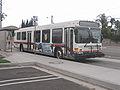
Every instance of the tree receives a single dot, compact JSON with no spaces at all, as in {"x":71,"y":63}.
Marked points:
{"x":27,"y":23}
{"x":103,"y":20}
{"x":23,"y":24}
{"x":117,"y":25}
{"x":110,"y":27}
{"x":112,"y":21}
{"x":31,"y":22}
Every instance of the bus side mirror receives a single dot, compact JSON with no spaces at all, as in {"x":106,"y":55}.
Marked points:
{"x":75,"y":31}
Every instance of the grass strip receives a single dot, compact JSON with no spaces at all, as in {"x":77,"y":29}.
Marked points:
{"x":4,"y":61}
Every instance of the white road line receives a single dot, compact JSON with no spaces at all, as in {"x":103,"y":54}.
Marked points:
{"x":14,"y":67}
{"x":39,"y":80}
{"x":26,"y":78}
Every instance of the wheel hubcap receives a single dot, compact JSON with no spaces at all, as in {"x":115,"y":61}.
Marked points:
{"x":59,"y":54}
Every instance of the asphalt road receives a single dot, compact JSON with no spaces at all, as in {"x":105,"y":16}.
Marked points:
{"x":29,"y":78}
{"x":111,"y":52}
{"x":102,"y":63}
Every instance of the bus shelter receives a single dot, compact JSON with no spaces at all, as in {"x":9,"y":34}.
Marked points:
{"x":7,"y":37}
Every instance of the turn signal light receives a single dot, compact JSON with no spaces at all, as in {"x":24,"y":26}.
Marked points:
{"x":76,"y":49}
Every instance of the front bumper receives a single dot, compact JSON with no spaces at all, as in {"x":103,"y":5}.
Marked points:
{"x":89,"y":55}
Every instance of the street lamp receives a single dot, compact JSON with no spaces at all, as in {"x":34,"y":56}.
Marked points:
{"x":51,"y":19}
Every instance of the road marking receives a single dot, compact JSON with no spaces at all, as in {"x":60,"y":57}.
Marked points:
{"x":39,"y":80}
{"x":47,"y":76}
{"x":15,"y":67}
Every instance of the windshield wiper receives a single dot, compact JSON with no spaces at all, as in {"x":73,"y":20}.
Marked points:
{"x":85,"y":44}
{"x":87,"y":41}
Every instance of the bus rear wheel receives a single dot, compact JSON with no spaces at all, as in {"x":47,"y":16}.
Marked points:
{"x":21,"y":48}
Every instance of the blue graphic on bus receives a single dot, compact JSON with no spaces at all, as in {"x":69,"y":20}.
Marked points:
{"x":46,"y":48}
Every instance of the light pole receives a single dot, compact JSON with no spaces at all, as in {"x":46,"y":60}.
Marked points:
{"x":51,"y":18}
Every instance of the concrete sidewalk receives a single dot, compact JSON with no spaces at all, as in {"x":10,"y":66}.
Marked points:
{"x":106,"y":77}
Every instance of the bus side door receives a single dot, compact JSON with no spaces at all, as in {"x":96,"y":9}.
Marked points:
{"x":29,"y":40}
{"x":68,"y":40}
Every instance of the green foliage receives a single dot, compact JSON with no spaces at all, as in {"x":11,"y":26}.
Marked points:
{"x":23,"y":24}
{"x":4,"y":61}
{"x":103,"y":20}
{"x":117,"y":25}
{"x":27,"y":23}
{"x":111,"y":31}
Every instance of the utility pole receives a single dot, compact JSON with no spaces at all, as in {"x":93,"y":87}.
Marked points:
{"x":1,"y":13}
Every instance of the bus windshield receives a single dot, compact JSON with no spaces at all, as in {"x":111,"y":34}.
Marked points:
{"x":95,"y":35}
{"x":82,"y":35}
{"x":86,"y":35}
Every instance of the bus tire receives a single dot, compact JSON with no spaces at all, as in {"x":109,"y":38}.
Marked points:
{"x":21,"y":48}
{"x":59,"y":53}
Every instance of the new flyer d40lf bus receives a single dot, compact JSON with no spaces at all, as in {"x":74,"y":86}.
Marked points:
{"x":73,"y":39}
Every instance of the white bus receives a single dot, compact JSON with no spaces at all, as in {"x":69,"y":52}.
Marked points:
{"x":74,"y":39}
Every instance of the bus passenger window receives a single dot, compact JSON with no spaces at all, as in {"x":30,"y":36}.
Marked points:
{"x":37,"y":36}
{"x":46,"y":36}
{"x":23,"y":35}
{"x":57,"y":35}
{"x":18,"y":35}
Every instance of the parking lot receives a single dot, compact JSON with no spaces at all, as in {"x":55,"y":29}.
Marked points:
{"x":31,"y":78}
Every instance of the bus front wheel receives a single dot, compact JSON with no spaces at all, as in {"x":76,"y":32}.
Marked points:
{"x":59,"y":54}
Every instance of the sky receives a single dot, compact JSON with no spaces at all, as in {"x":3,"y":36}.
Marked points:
{"x":61,"y":10}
